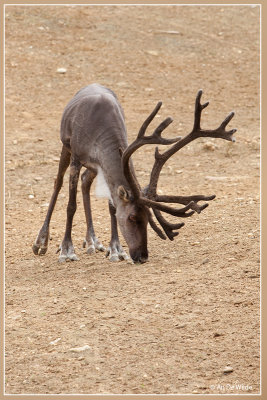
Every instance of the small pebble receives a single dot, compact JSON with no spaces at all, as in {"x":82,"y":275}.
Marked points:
{"x":31,"y":196}
{"x":228,"y":370}
{"x":55,"y":341}
{"x":209,"y":146}
{"x":152,"y":52}
{"x":107,"y":315}
{"x":179,"y":326}
{"x":80,"y":349}
{"x":61,"y":70}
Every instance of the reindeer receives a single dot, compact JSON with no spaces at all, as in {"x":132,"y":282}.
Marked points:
{"x":94,"y":136}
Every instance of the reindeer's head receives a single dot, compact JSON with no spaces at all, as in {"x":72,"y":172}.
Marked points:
{"x":133,"y":212}
{"x":132,"y":219}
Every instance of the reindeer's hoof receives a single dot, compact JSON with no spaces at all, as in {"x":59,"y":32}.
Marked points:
{"x":72,"y":257}
{"x":39,"y":250}
{"x":123,"y":256}
{"x":93,"y":246}
{"x":67,"y":253}
{"x":99,"y":246}
{"x":116,"y":254}
{"x":90,"y":249}
{"x":41,"y":242}
{"x":114,"y":258}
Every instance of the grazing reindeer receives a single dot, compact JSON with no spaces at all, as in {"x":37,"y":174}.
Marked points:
{"x":94,"y":136}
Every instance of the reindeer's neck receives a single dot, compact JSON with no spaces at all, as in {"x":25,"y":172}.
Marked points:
{"x":110,"y":173}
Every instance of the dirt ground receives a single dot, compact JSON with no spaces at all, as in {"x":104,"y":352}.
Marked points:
{"x":174,"y":324}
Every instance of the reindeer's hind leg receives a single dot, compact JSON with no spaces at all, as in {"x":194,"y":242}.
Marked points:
{"x":91,"y":242}
{"x":41,"y":242}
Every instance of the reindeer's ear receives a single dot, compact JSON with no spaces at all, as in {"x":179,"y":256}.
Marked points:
{"x":123,"y":194}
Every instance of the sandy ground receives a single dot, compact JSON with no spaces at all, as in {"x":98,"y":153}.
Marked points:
{"x":174,"y":324}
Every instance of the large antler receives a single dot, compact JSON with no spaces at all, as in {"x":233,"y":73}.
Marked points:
{"x":160,"y":159}
{"x":141,"y":140}
{"x":148,"y":196}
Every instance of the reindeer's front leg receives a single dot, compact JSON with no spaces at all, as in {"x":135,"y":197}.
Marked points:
{"x":91,"y":242}
{"x":66,"y":249}
{"x":115,"y":251}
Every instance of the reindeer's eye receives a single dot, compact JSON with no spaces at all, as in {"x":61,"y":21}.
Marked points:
{"x":132,"y":218}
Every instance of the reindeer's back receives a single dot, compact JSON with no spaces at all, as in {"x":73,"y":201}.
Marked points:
{"x":90,"y":119}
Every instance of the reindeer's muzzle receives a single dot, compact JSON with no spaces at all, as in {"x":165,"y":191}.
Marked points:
{"x":139,"y":256}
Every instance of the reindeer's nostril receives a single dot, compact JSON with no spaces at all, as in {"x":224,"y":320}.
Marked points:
{"x":139,"y":257}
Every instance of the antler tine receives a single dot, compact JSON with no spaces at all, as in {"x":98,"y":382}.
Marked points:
{"x":167,"y":226}
{"x":149,"y":120}
{"x":154,"y":226}
{"x":215,"y":133}
{"x":157,"y":133}
{"x":155,"y":138}
{"x":187,"y":199}
{"x":198,"y":109}
{"x":178,"y":212}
